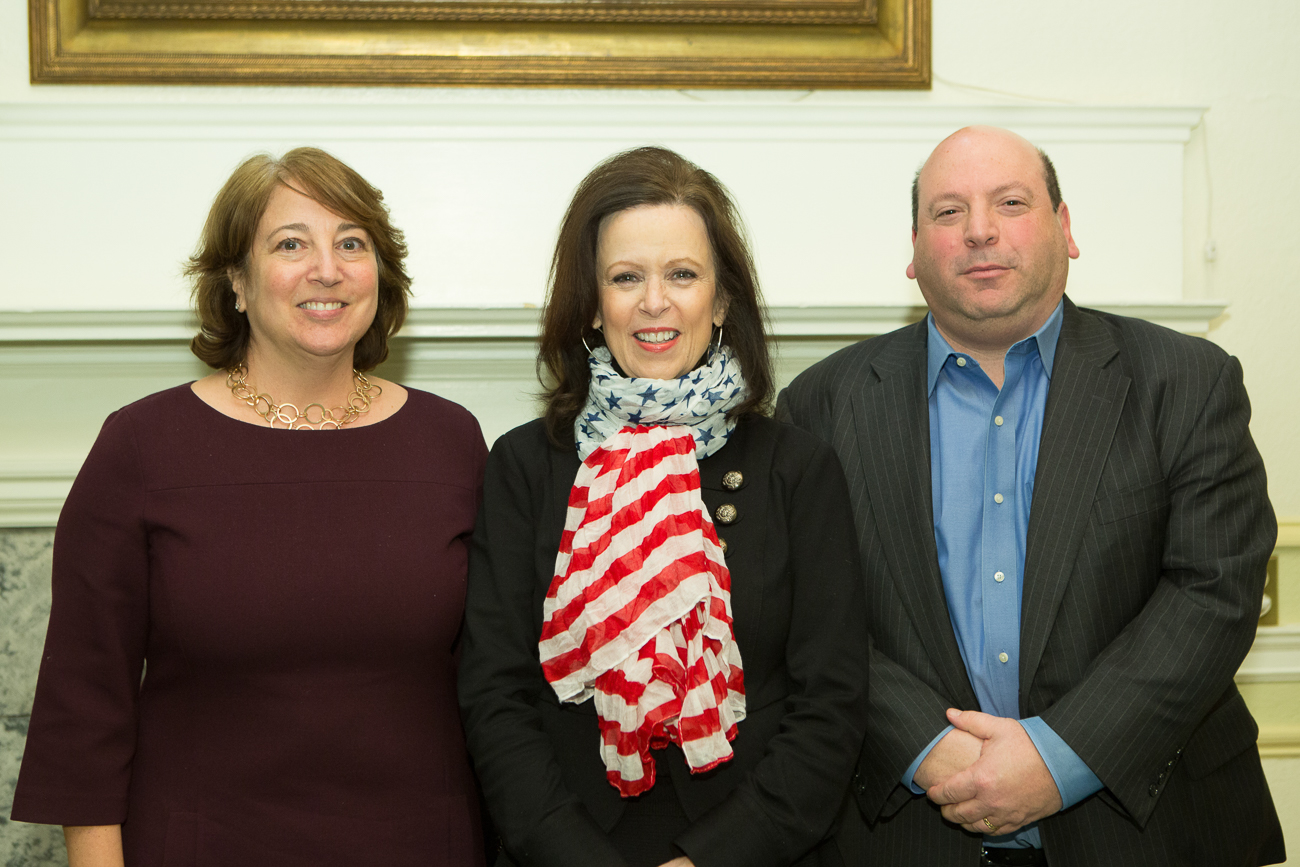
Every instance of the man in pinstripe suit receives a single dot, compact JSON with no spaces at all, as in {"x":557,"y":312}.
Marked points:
{"x":1064,"y":525}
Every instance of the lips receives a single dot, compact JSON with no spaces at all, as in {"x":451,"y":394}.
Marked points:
{"x":985,"y":270}
{"x":321,"y":305}
{"x":656,"y":338}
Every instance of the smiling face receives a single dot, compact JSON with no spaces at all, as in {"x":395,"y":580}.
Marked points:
{"x":310,"y":286}
{"x":989,"y":254}
{"x":656,"y":289}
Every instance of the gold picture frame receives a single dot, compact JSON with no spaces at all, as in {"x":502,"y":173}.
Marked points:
{"x":548,"y":43}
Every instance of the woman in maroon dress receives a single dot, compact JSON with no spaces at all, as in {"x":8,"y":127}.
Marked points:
{"x":296,"y":597}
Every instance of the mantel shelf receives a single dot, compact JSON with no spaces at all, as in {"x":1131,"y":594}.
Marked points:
{"x":520,"y":323}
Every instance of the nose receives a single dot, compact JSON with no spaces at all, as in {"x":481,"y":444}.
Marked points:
{"x":654,"y":300}
{"x":325,"y":268}
{"x":981,"y":227}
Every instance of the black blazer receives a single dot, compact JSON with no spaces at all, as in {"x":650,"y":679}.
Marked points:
{"x":799,"y":616}
{"x":1144,"y":571}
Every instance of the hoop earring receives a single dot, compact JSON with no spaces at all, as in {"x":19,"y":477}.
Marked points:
{"x":719,"y":338}
{"x":584,"y":344}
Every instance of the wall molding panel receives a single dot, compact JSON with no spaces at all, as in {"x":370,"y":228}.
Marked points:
{"x":479,"y":185}
{"x":680,"y":116}
{"x":1275,"y":657}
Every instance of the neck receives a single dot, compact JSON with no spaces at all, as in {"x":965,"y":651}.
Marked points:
{"x":990,"y":355}
{"x":988,"y":340}
{"x":327,"y":381}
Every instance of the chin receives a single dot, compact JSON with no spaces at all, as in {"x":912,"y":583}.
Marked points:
{"x":659,"y":368}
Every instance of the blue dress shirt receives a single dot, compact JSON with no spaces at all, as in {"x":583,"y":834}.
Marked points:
{"x":983,"y":454}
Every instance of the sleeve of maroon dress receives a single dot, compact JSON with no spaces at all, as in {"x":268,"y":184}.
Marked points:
{"x":77,"y":765}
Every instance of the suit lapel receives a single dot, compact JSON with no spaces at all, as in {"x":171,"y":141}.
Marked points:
{"x":1084,"y":403}
{"x":893,"y":424}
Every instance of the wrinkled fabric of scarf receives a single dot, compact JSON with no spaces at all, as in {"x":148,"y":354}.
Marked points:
{"x":638,"y":615}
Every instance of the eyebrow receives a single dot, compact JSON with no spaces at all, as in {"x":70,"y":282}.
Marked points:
{"x":1012,"y":186}
{"x":683,"y":260}
{"x":302,"y":227}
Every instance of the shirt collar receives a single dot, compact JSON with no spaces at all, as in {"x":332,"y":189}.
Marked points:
{"x":939,"y":350}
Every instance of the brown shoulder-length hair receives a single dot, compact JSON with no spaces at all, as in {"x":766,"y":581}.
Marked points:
{"x":644,"y":176}
{"x":227,"y":240}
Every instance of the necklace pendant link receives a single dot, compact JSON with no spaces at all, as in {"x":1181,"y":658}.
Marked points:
{"x":363,"y":394}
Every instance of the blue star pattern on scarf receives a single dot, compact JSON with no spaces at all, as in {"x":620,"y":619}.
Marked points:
{"x":699,"y":399}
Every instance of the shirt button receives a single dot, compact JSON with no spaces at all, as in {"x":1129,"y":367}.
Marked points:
{"x":1002,"y":657}
{"x":961,"y":362}
{"x":997,"y":420}
{"x":997,"y":498}
{"x":999,"y":577}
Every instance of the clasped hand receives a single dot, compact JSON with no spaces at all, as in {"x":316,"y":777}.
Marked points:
{"x":987,"y":767}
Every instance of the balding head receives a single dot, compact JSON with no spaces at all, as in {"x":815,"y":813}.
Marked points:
{"x":992,"y":242}
{"x":1049,"y":170}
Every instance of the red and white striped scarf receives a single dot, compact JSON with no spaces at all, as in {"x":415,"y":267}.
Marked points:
{"x":638,"y":615}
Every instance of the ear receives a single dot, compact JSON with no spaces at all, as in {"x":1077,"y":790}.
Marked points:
{"x":1063,"y":214}
{"x":911,"y":267}
{"x":596,"y":323}
{"x":237,"y":286}
{"x":720,"y":308}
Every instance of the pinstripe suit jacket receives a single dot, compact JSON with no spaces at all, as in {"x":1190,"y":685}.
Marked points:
{"x":1144,"y":570}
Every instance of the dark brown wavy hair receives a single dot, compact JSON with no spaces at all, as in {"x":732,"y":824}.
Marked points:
{"x":227,"y":239}
{"x":644,"y":176}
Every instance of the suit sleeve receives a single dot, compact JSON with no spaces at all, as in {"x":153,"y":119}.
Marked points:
{"x":906,"y":713}
{"x":787,"y":803}
{"x":77,"y":765}
{"x":539,"y":820}
{"x":1149,"y":689}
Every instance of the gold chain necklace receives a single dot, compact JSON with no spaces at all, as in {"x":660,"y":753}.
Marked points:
{"x":290,"y":416}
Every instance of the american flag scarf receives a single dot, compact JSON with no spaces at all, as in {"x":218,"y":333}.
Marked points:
{"x":638,"y":615}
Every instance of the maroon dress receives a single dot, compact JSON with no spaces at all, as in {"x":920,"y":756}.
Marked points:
{"x":297,"y":597}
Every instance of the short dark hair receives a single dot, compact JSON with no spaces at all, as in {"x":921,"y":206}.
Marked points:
{"x":1049,"y":176}
{"x":643,"y":176}
{"x":227,"y":240}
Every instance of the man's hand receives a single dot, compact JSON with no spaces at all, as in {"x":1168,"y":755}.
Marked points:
{"x":1009,"y":784}
{"x":956,"y":751}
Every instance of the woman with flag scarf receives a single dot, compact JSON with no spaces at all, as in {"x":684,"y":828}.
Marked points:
{"x":665,"y":650}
